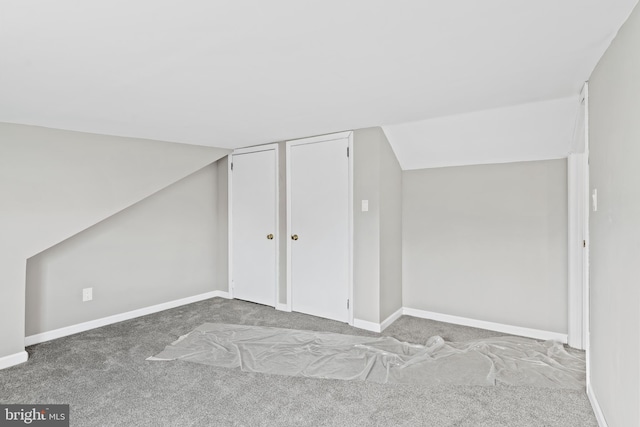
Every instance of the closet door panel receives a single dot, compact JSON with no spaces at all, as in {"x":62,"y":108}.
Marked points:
{"x":319,"y":226}
{"x":254,"y":226}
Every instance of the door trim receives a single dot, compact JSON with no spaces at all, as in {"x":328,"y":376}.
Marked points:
{"x":586,"y":275}
{"x":312,"y":140}
{"x":577,"y":240}
{"x":247,"y":150}
{"x":578,"y":227}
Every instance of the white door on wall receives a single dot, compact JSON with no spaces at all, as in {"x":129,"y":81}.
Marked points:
{"x":319,"y":227}
{"x":254,"y":181}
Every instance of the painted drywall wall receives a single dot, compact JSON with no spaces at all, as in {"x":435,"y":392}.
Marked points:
{"x":390,"y":230}
{"x":366,"y":225}
{"x":12,"y":279}
{"x":614,"y":144}
{"x":488,"y":242}
{"x":222,"y":219}
{"x":525,"y":132}
{"x":161,"y":249}
{"x":377,"y":238}
{"x":54,"y":184}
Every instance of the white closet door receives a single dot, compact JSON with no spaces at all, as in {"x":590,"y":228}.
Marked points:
{"x":254,"y":226}
{"x":319,"y":228}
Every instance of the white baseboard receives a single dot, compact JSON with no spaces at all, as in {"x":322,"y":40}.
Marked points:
{"x":456,"y":320}
{"x":597,"y":411}
{"x":366,"y":325}
{"x":283,"y":307}
{"x":92,"y":324}
{"x":499,"y":327}
{"x":389,"y":320}
{"x":377,"y":327}
{"x":13,"y":359}
{"x":219,"y":294}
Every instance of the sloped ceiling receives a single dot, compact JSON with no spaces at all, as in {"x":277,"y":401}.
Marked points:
{"x":534,"y":131}
{"x":240,"y":73}
{"x":54,"y":183}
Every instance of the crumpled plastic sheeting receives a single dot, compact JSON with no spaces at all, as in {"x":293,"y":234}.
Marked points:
{"x":509,"y":360}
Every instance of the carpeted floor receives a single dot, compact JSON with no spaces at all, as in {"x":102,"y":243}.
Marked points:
{"x":105,"y":378}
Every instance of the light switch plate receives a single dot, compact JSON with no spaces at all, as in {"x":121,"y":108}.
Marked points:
{"x":365,"y":206}
{"x":594,"y":197}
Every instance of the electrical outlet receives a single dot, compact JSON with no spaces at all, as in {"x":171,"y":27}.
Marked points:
{"x":87,"y":294}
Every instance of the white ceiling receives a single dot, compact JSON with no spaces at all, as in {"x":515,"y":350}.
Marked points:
{"x":239,"y":73}
{"x":536,"y":131}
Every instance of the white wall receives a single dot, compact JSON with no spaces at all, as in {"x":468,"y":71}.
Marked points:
{"x":377,"y":232}
{"x":54,"y":184}
{"x":488,"y":242}
{"x":536,"y":131}
{"x":614,"y":142}
{"x":161,"y":249}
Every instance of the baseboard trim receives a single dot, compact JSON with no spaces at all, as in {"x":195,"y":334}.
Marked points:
{"x":218,"y":294}
{"x":13,"y":359}
{"x":595,"y":405}
{"x":389,"y":320}
{"x":456,"y":320}
{"x":92,"y":324}
{"x":366,"y":325}
{"x":283,"y":307}
{"x":377,"y":327}
{"x":498,"y":327}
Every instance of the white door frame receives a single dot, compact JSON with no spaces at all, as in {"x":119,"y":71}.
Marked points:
{"x":313,"y":140}
{"x":586,"y":276}
{"x":256,"y":149}
{"x":576,"y":247}
{"x":578,"y":231}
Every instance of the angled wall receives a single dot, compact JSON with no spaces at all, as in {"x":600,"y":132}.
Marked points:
{"x":377,"y":231}
{"x":161,"y":249}
{"x":614,"y":151}
{"x":527,"y":132}
{"x":54,"y":184}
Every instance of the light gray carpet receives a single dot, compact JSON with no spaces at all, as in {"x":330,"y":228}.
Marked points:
{"x":105,"y":378}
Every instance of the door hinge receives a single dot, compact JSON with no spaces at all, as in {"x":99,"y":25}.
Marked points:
{"x":347,"y":304}
{"x":347,"y":151}
{"x":232,"y":166}
{"x":584,"y":243}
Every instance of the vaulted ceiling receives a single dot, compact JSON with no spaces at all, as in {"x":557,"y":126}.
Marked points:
{"x":240,"y":73}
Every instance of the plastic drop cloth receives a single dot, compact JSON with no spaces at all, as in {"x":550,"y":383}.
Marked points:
{"x":509,"y":360}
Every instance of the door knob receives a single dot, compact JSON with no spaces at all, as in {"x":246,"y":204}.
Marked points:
{"x":270,"y":236}
{"x":294,"y":237}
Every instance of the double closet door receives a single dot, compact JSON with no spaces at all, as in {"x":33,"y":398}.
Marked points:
{"x":318,"y":256}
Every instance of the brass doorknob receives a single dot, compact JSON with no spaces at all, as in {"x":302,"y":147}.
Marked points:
{"x":294,"y":237}
{"x":270,"y":236}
